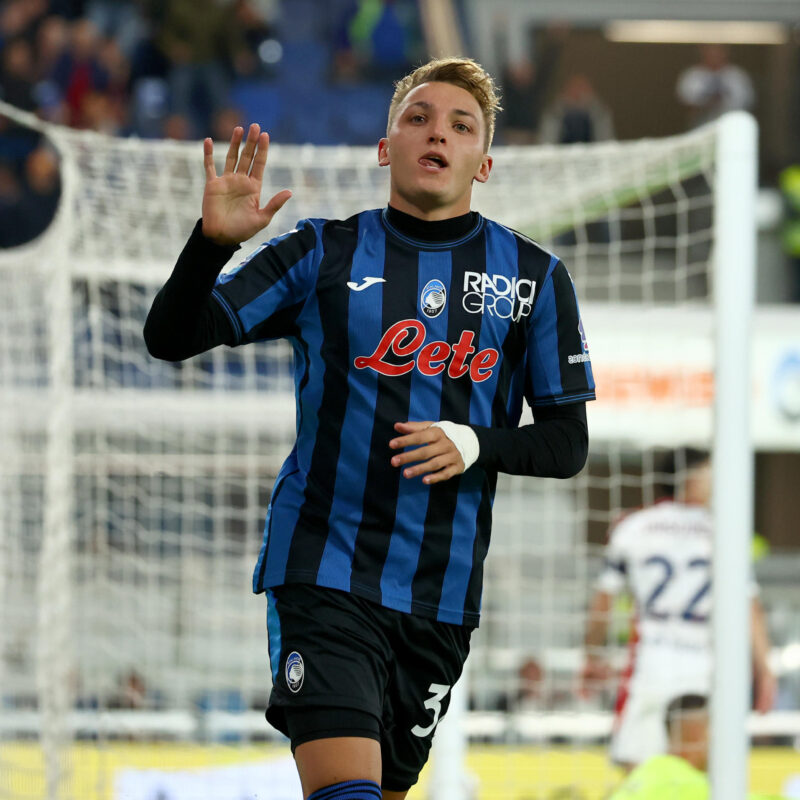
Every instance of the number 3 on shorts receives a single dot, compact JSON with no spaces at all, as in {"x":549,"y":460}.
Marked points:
{"x":434,"y":702}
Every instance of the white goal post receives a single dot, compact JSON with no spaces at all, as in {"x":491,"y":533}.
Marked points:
{"x":132,"y":492}
{"x":732,"y":483}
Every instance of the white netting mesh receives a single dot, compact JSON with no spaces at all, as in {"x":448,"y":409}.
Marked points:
{"x":133,"y":491}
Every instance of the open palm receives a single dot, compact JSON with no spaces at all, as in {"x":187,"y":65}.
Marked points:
{"x":231,"y":201}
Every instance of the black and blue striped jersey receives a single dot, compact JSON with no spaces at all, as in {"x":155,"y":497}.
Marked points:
{"x":388,"y":328}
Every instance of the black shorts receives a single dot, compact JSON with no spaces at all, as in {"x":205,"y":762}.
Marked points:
{"x":344,"y":666}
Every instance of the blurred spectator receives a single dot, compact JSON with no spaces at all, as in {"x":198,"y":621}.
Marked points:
{"x":525,"y":85}
{"x":13,"y":19}
{"x":377,"y":39}
{"x":530,"y":678}
{"x":28,"y":206}
{"x":256,"y":33}
{"x":527,"y":690}
{"x":42,"y":191}
{"x":346,"y":66}
{"x":117,"y":68}
{"x":52,"y":39}
{"x":16,"y":81}
{"x":149,"y":107}
{"x":98,"y":115}
{"x":147,"y":57}
{"x":11,"y":227}
{"x":577,"y":115}
{"x":132,"y":692}
{"x":714,"y":86}
{"x":202,"y":43}
{"x":149,"y":92}
{"x":178,"y":127}
{"x":225,"y":120}
{"x":521,"y":103}
{"x":19,"y":19}
{"x":79,"y":73}
{"x":120,"y":20}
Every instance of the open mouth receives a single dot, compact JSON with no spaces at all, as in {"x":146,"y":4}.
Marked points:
{"x":433,"y":161}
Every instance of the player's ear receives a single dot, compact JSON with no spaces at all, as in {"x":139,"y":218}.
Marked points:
{"x":482,"y":175}
{"x":383,"y":152}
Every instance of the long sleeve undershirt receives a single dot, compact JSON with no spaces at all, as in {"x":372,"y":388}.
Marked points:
{"x":185,"y":320}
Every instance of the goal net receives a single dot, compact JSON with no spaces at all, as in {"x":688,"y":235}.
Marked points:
{"x":133,"y":656}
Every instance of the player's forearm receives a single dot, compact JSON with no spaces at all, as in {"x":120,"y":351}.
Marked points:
{"x":184,"y":319}
{"x":555,"y":446}
{"x":596,"y":630}
{"x":760,"y":639}
{"x":597,"y":622}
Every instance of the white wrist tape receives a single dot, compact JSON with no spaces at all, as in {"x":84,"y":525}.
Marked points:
{"x":464,"y":438}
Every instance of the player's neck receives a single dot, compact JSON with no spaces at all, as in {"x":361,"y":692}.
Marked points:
{"x":444,"y":230}
{"x":432,"y":213}
{"x":690,"y":498}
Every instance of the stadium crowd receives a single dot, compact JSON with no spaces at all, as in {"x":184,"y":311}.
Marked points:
{"x":179,"y":69}
{"x":184,"y":69}
{"x":308,"y":71}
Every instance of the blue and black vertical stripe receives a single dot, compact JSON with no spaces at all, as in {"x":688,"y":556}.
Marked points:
{"x":341,"y":515}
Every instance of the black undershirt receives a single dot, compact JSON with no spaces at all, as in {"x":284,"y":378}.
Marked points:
{"x":185,"y":320}
{"x":442,"y":230}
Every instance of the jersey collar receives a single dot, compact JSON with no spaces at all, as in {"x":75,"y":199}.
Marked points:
{"x":438,"y":235}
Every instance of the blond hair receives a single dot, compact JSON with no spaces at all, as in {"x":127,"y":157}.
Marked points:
{"x":462,"y":72}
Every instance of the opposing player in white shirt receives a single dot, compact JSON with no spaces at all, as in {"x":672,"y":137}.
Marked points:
{"x":662,"y":556}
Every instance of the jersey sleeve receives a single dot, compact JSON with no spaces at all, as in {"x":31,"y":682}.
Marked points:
{"x":613,"y":578}
{"x":559,"y":370}
{"x":264,"y":295}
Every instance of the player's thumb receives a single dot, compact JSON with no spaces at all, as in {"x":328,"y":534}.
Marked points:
{"x":275,"y":205}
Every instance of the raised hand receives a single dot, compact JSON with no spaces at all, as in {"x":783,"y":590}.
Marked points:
{"x":231,"y":201}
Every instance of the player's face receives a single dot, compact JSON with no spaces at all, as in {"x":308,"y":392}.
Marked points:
{"x":435,"y":151}
{"x":698,"y":484}
{"x":692,"y":739}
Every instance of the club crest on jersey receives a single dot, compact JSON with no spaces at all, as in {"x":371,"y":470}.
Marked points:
{"x":295,"y":671}
{"x":433,"y":298}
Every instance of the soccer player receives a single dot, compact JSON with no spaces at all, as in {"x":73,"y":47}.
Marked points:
{"x":681,"y":772}
{"x":418,"y":330}
{"x":662,"y":556}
